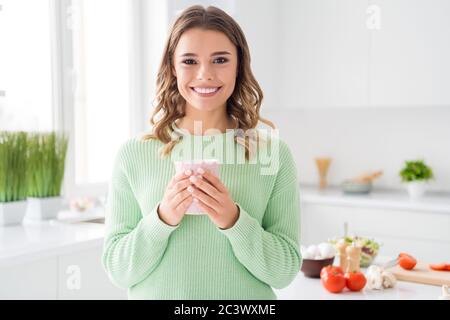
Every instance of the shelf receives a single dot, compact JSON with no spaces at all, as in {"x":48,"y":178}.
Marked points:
{"x":380,"y":199}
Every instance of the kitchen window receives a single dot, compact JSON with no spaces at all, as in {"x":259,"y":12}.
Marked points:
{"x":101,"y":86}
{"x":73,"y":66}
{"x":25,"y":65}
{"x":101,"y":69}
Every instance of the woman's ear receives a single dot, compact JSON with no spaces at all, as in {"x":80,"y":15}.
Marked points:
{"x":174,"y":72}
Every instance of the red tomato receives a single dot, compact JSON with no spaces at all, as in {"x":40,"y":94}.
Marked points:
{"x":440,"y":267}
{"x":330,"y":268}
{"x":406,"y":261}
{"x":332,"y":279}
{"x":355,"y":281}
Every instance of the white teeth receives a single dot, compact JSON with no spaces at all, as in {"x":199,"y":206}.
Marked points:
{"x":205,"y":90}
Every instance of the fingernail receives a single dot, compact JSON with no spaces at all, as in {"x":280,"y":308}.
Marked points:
{"x":200,"y":170}
{"x":200,"y":177}
{"x":193,"y":178}
{"x":195,"y":200}
{"x":188,"y":172}
{"x":190,"y":189}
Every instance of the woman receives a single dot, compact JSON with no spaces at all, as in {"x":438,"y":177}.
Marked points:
{"x":208,"y":107}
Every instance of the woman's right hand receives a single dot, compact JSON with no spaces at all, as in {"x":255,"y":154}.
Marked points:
{"x":176,"y":199}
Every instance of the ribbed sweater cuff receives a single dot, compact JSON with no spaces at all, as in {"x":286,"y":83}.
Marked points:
{"x":156,"y":228}
{"x":244,"y":226}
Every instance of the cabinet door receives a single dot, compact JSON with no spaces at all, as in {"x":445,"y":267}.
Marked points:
{"x":34,"y":280}
{"x":81,"y":276}
{"x":410,"y":53}
{"x":325,"y":53}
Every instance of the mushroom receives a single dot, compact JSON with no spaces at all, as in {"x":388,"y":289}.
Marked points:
{"x":445,"y":293}
{"x":378,"y":278}
{"x":389,"y":279}
{"x":374,"y":278}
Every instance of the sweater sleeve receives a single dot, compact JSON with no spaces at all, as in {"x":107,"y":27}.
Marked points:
{"x":133,"y":244}
{"x":271,"y":251}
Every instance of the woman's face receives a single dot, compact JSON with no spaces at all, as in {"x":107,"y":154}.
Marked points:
{"x":205,"y":65}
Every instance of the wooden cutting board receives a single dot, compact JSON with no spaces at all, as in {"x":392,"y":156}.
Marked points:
{"x":421,"y":274}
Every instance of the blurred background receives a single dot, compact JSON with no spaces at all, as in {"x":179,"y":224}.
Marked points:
{"x":356,"y":88}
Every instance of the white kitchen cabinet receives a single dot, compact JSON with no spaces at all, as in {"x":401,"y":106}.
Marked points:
{"x":75,"y":275}
{"x":409,"y":63}
{"x":33,"y":280}
{"x":334,"y":57}
{"x":325,"y":54}
{"x":81,"y":276}
{"x":423,"y":234}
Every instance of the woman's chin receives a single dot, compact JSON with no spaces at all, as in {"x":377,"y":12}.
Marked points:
{"x":205,"y":106}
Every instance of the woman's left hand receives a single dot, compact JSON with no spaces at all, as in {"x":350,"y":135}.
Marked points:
{"x":213,"y":197}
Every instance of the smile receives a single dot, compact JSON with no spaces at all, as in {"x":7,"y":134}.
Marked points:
{"x":205,"y":92}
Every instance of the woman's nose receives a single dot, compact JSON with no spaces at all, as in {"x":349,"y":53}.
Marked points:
{"x":205,"y":72}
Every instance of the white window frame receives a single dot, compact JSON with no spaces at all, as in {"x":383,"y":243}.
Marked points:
{"x":63,"y":84}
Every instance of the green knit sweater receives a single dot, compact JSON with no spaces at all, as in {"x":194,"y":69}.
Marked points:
{"x":196,"y":259}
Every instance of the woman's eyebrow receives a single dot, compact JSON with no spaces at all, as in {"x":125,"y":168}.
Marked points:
{"x":213,"y":54}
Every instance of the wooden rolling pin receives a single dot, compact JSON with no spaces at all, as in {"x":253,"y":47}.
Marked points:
{"x":366,"y":178}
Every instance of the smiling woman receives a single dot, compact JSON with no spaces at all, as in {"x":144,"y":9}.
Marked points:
{"x":246,"y":240}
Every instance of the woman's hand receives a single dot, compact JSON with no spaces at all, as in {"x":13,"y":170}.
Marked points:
{"x":176,"y":199}
{"x":212,"y":196}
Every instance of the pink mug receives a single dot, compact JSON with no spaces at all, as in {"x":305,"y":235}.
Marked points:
{"x":212,"y":165}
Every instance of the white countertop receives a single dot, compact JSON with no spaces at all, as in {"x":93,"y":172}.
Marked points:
{"x":303,"y":288}
{"x":32,"y":241}
{"x":384,"y":199}
{"x":36,"y":240}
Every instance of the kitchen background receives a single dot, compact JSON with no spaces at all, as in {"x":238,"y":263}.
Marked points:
{"x":364,"y":82}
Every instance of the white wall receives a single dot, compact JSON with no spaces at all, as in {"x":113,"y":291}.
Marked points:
{"x":155,"y":26}
{"x":260,"y":21}
{"x":364,"y":139}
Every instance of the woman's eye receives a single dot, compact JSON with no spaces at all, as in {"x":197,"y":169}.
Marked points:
{"x":188,"y":61}
{"x":219,"y":61}
{"x":223,"y":60}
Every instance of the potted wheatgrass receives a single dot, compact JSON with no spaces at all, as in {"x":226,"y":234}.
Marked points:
{"x":13,"y":189}
{"x":45,"y":173}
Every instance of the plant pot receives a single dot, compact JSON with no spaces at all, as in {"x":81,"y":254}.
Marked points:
{"x":43,"y":208}
{"x":416,"y":189}
{"x":12,"y":213}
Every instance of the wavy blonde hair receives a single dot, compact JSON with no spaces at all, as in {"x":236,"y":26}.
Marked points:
{"x":243,"y":105}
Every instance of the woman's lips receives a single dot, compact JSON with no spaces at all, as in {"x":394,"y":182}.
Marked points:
{"x":206,"y":94}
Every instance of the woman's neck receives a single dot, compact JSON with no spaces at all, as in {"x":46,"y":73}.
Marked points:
{"x":202,"y":122}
